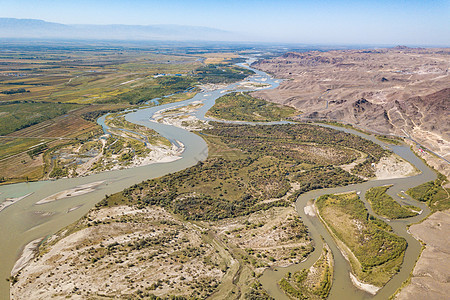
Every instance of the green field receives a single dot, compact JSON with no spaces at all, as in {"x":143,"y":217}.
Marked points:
{"x":9,"y":147}
{"x":243,"y":107}
{"x":374,"y":253}
{"x":384,"y":205}
{"x":16,"y":116}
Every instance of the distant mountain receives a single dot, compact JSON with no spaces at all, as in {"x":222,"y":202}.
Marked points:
{"x":31,"y":28}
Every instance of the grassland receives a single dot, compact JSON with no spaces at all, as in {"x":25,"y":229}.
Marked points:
{"x":312,"y":283}
{"x":433,"y":193}
{"x":243,"y":107}
{"x":375,"y":254}
{"x":384,"y":205}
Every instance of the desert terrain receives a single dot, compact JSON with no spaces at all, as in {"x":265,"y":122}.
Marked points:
{"x":403,"y":91}
{"x":429,"y":279}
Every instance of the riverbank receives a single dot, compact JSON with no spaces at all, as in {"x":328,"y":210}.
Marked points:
{"x":430,"y":277}
{"x":28,"y":253}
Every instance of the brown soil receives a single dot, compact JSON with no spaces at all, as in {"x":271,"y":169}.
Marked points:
{"x":273,"y":237}
{"x":122,"y":253}
{"x":385,"y":90}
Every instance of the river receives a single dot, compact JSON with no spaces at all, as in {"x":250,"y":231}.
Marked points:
{"x":24,"y":221}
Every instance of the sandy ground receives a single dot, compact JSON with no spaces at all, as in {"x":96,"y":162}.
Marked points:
{"x":271,"y":233}
{"x":27,"y":255}
{"x":394,"y":167}
{"x":431,"y":276}
{"x":186,"y":122}
{"x":310,"y":210}
{"x":84,"y":168}
{"x":371,"y":289}
{"x":157,"y":155}
{"x":208,"y":87}
{"x":179,"y":262}
{"x":76,"y":191}
{"x":181,"y":117}
{"x":11,"y":201}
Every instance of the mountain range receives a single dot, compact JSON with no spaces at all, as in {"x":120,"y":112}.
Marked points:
{"x":39,"y":29}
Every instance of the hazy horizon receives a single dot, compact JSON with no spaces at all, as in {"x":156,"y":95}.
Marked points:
{"x":382,"y":22}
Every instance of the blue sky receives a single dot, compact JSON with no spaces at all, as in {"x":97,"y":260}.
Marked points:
{"x":392,"y":22}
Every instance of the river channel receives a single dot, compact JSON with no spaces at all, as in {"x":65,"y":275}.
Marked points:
{"x":24,"y":221}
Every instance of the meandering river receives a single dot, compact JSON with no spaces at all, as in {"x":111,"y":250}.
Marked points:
{"x":24,"y":221}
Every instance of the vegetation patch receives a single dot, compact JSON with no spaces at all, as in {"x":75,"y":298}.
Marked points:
{"x":390,"y":139}
{"x":257,"y":292}
{"x":254,"y":138}
{"x":433,"y":193}
{"x":221,"y":73}
{"x":15,"y":91}
{"x":244,"y":173}
{"x":384,"y":205}
{"x":374,"y":253}
{"x":243,"y":107}
{"x":312,"y":283}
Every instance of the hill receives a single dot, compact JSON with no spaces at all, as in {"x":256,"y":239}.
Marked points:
{"x":390,"y":91}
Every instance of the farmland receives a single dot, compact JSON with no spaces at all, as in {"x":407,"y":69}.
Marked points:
{"x":50,"y":97}
{"x":16,"y":116}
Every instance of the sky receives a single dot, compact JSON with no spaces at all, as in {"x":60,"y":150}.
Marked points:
{"x":375,"y":22}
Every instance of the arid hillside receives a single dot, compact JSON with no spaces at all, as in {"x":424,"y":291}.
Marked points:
{"x":400,"y":90}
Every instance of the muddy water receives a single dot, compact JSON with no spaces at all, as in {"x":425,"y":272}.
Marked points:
{"x":24,"y":221}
